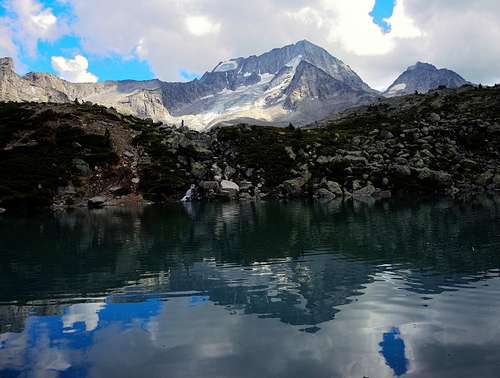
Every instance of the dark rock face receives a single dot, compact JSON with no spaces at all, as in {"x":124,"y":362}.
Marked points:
{"x":423,"y":77}
{"x":311,"y":83}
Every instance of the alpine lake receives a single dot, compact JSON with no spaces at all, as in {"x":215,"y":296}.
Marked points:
{"x":267,"y":289}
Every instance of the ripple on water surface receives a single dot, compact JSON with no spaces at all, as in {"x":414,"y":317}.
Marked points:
{"x":271,"y":289}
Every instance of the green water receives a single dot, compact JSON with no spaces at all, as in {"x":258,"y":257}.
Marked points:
{"x":253,"y":290}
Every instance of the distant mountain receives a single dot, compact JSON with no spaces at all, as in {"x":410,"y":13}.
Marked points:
{"x":423,"y":77}
{"x":299,"y":83}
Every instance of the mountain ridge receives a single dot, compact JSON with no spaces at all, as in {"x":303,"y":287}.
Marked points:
{"x":255,"y":88}
{"x":423,"y":77}
{"x":298,"y":83}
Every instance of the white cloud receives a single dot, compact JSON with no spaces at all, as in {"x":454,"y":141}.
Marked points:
{"x":201,"y":25}
{"x":74,"y":70}
{"x":307,"y":15}
{"x":87,"y":313}
{"x":349,"y":24}
{"x":196,"y":34}
{"x":402,"y":26}
{"x":44,"y":20}
{"x":32,"y":23}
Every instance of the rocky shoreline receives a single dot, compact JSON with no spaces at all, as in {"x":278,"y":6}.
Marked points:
{"x":446,"y":142}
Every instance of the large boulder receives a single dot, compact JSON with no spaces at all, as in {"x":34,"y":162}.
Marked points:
{"x":229,"y":172}
{"x":2,"y":210}
{"x":366,"y":191}
{"x":436,"y":178}
{"x":198,"y":170}
{"x":229,"y":189}
{"x":401,"y":170}
{"x":96,"y":202}
{"x":294,"y":187}
{"x":120,"y":190}
{"x":325,"y":194}
{"x":229,"y":185}
{"x":335,"y":188}
{"x":208,"y":186}
{"x":82,"y":167}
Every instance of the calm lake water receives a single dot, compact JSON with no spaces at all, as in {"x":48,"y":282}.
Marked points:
{"x":253,"y":290}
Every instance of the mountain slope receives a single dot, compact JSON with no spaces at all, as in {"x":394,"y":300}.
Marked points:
{"x":423,"y":77}
{"x":269,"y":88}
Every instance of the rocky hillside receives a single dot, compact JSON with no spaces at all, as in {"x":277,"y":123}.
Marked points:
{"x":444,"y":142}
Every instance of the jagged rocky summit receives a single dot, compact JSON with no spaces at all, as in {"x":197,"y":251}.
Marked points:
{"x":423,"y":77}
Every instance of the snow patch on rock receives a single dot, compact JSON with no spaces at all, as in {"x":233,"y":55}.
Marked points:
{"x":229,"y":65}
{"x":398,"y":87}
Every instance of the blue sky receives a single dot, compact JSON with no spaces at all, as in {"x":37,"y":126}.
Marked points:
{"x":115,"y":67}
{"x":111,"y":67}
{"x":383,"y":10}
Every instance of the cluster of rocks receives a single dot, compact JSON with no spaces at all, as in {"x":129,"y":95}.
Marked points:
{"x":101,"y":186}
{"x":434,"y":150}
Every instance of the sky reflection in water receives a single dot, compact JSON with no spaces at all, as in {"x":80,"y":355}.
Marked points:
{"x":278,"y":290}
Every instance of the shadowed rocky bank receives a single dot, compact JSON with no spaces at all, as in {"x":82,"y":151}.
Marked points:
{"x":65,"y":155}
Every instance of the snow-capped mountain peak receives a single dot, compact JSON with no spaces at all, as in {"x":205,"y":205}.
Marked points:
{"x":422,"y":77}
{"x":297,"y":83}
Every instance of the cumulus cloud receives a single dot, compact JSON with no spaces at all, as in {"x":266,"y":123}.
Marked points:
{"x":30,"y":22}
{"x":197,"y":34}
{"x":201,"y":25}
{"x":74,"y":70}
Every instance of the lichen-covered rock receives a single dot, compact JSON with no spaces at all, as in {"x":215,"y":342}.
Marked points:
{"x":199,"y":170}
{"x":210,"y":186}
{"x":325,"y":194}
{"x":82,"y":167}
{"x":334,"y":188}
{"x":294,"y":187}
{"x":366,"y":191}
{"x":438,"y":178}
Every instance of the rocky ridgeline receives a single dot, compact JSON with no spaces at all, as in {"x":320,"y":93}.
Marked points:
{"x":445,"y":142}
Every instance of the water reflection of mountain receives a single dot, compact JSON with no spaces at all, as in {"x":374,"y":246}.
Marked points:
{"x":294,"y":261}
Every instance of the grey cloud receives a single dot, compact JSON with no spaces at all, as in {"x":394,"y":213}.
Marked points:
{"x":461,"y":35}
